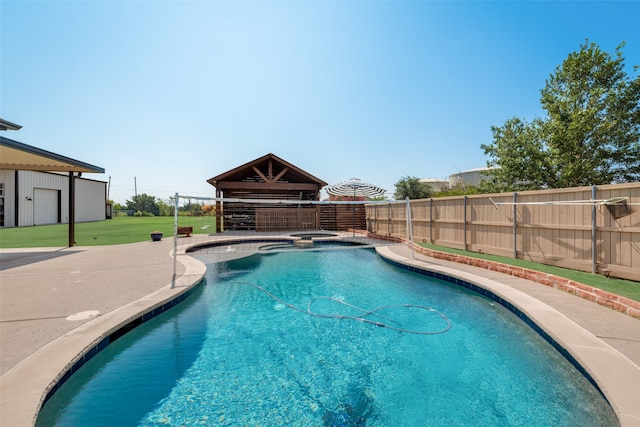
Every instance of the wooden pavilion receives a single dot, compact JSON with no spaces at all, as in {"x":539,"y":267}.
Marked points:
{"x":267,"y":178}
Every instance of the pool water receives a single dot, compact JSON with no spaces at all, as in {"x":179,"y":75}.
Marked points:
{"x":244,"y":351}
{"x":307,"y":245}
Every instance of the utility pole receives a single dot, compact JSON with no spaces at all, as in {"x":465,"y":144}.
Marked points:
{"x":135,"y":186}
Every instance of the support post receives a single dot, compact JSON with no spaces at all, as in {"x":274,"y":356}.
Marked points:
{"x":515,"y":226}
{"x":175,"y":242}
{"x":410,"y":229}
{"x":72,"y":209}
{"x":353,"y":224}
{"x":431,"y":221}
{"x":375,"y":215}
{"x":464,"y":226}
{"x":219,"y":213}
{"x":594,"y":251}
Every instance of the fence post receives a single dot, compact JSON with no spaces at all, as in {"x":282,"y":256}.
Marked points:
{"x":375,"y":216}
{"x":594,"y":252}
{"x":431,"y":220}
{"x":464,"y":225}
{"x":410,"y":229}
{"x":515,"y":226}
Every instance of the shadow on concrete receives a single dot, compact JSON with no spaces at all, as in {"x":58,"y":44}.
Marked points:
{"x":17,"y":259}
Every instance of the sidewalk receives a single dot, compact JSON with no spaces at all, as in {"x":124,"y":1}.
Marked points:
{"x":55,"y":304}
{"x":104,"y":287}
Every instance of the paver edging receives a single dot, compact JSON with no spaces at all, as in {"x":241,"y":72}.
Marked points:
{"x":599,"y":296}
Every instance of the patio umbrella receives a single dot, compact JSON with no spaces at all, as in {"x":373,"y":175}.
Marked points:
{"x":354,"y":187}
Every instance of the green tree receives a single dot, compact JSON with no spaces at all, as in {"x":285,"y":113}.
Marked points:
{"x":520,"y":158}
{"x":165,"y":208}
{"x":412,"y":188}
{"x":458,"y":190}
{"x":192,"y":209}
{"x":117,"y":206}
{"x":589,"y":136}
{"x":143,"y":203}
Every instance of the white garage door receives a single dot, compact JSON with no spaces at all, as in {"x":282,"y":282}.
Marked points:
{"x":45,"y":206}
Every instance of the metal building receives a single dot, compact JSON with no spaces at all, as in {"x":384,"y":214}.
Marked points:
{"x":39,"y":187}
{"x":39,"y":198}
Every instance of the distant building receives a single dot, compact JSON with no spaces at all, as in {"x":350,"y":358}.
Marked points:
{"x":267,"y":178}
{"x":469,"y":177}
{"x":437,"y":185}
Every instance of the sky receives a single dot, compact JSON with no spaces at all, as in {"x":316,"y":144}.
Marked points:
{"x":166,"y":94}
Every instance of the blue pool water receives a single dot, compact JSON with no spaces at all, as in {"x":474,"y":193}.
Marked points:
{"x":232,"y":355}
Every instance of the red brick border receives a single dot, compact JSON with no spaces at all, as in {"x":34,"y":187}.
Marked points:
{"x":604,"y":298}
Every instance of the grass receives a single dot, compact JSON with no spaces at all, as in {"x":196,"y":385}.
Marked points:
{"x":627,"y":288}
{"x":125,"y":229}
{"x":120,"y":229}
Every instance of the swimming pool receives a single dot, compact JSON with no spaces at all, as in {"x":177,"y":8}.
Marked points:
{"x":233,"y":355}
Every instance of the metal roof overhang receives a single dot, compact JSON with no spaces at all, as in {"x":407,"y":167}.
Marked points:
{"x":7,"y":125}
{"x":15,"y":155}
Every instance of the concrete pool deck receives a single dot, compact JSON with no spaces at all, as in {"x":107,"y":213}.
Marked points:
{"x":56,"y":303}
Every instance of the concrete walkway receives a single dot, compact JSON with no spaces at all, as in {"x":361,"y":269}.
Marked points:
{"x":57,"y":303}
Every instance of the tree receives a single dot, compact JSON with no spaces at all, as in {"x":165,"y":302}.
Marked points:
{"x":165,"y":207}
{"x":117,"y":206}
{"x":192,"y":209}
{"x":589,"y":136}
{"x":521,"y":161}
{"x":143,"y":203}
{"x":412,"y":188}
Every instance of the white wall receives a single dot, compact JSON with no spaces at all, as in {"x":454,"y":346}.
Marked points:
{"x":30,"y":180}
{"x":90,"y":196}
{"x":91,"y":199}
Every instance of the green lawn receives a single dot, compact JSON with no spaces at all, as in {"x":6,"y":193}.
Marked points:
{"x":125,"y":229}
{"x":120,"y":229}
{"x":627,"y":288}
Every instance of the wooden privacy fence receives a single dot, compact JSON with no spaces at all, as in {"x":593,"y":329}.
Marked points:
{"x":335,"y":217}
{"x":560,"y":227}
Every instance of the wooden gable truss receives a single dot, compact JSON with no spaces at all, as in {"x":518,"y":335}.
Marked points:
{"x":271,"y":178}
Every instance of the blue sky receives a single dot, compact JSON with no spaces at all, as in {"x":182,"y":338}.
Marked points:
{"x":176,"y":92}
